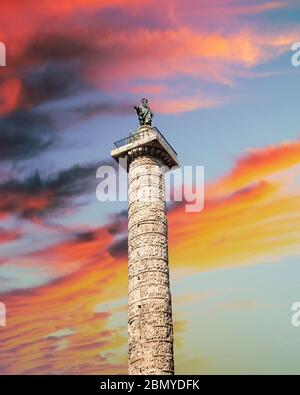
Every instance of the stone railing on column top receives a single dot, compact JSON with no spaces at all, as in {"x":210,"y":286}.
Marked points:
{"x":145,"y":135}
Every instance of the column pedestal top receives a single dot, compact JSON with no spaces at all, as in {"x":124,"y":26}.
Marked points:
{"x":146,"y":141}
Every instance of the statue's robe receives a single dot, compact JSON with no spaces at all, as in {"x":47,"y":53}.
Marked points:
{"x":145,"y":115}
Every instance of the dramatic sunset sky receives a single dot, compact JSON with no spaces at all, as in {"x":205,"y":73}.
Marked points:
{"x":219,"y":78}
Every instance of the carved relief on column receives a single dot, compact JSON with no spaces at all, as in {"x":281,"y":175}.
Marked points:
{"x":149,"y":300}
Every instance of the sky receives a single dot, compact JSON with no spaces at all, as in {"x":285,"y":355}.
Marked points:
{"x":219,"y":78}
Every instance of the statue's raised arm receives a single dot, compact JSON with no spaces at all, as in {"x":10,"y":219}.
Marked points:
{"x":144,"y":113}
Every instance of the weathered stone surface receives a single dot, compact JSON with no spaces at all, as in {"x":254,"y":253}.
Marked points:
{"x":142,"y":216}
{"x":148,"y":252}
{"x":145,"y":307}
{"x":146,"y":265}
{"x":151,"y":277}
{"x":150,"y":328}
{"x":140,"y":240}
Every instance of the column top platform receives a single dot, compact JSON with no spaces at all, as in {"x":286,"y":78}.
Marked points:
{"x":148,"y":141}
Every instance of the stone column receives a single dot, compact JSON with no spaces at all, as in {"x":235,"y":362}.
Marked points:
{"x":150,"y":325}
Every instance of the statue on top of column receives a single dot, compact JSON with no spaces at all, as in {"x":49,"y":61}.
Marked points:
{"x":144,"y":113}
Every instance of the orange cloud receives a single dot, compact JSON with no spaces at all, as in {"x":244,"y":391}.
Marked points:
{"x":261,"y":163}
{"x":184,"y":104}
{"x":250,"y":216}
{"x":115,"y":60}
{"x":7,"y":236}
{"x":9,"y":95}
{"x":22,"y":203}
{"x":67,"y":306}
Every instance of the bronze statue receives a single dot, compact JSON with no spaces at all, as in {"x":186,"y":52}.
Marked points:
{"x":144,"y":113}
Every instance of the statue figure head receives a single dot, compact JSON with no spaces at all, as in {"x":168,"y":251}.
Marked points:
{"x":144,"y":102}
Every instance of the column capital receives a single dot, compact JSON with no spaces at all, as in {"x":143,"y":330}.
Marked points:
{"x":146,"y":141}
